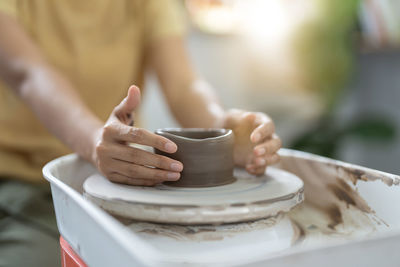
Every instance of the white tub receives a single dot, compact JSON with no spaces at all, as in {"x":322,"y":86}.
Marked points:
{"x":350,"y":218}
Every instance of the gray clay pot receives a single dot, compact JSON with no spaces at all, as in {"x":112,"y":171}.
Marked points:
{"x":206,"y":155}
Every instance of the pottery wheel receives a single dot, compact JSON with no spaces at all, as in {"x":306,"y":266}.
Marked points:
{"x":248,"y":198}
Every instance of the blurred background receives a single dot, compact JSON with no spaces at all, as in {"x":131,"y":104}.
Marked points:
{"x":327,"y":72}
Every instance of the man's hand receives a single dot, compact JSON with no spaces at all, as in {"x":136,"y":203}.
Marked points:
{"x":122,"y":163}
{"x":256,"y":143}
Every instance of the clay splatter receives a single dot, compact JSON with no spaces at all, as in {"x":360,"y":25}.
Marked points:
{"x":203,"y":233}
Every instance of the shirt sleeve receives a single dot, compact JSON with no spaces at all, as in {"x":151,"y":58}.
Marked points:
{"x":164,"y":18}
{"x":9,"y":7}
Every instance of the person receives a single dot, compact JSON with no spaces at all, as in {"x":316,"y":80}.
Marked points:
{"x":64,"y":68}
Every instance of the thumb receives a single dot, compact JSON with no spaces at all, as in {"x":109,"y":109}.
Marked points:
{"x":245,"y":127}
{"x":130,"y":102}
{"x":124,"y":110}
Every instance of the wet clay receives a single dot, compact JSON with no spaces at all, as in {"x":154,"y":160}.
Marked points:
{"x":204,"y":233}
{"x":330,"y":187}
{"x":206,"y":155}
{"x":355,"y":175}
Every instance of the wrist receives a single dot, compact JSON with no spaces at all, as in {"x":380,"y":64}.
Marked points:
{"x":95,"y":141}
{"x":95,"y":133}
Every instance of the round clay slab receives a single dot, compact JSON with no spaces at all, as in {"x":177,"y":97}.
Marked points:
{"x":248,"y":198}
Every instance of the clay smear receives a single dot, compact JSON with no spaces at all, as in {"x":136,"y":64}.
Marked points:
{"x":332,"y":203}
{"x":203,"y":233}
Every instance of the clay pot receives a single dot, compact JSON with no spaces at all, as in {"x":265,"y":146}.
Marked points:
{"x":206,"y":154}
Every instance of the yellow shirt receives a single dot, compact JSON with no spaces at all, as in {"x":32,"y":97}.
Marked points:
{"x":99,"y":45}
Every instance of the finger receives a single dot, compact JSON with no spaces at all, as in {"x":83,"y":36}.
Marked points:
{"x":260,"y":170}
{"x":119,"y":132}
{"x":144,"y":158}
{"x":245,"y":125}
{"x":266,"y":129}
{"x":266,"y":160}
{"x":268,"y":147}
{"x":142,"y":172}
{"x":124,"y":110}
{"x":122,"y":179}
{"x":252,"y":169}
{"x":130,"y":102}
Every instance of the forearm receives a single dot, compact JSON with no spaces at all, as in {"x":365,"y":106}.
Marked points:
{"x":191,"y":100}
{"x":51,"y":97}
{"x":59,"y":107}
{"x":198,"y":106}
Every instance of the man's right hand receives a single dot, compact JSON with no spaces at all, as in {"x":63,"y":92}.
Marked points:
{"x":122,"y":163}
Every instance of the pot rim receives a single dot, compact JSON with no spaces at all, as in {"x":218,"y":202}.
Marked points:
{"x":166,"y":132}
